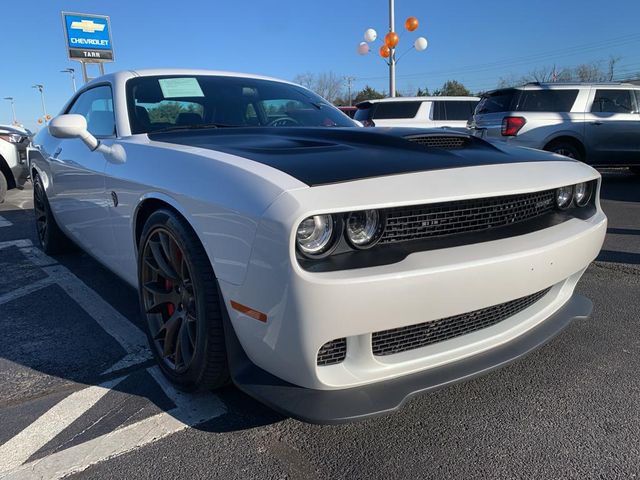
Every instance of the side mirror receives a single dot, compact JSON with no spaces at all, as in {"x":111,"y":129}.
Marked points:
{"x":73,"y":126}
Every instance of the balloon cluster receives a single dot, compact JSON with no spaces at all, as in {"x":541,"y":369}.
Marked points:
{"x":391,"y":40}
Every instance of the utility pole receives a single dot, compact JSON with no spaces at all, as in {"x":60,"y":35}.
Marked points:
{"x":71,"y":71}
{"x":392,"y":57}
{"x":349,"y":81}
{"x":13,"y":110}
{"x":40,"y":88}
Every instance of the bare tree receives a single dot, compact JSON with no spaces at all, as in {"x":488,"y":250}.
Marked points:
{"x":612,"y":66}
{"x":326,"y":84}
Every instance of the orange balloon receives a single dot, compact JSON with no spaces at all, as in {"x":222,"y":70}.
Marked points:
{"x":385,"y":51}
{"x":391,"y":39}
{"x":411,"y":24}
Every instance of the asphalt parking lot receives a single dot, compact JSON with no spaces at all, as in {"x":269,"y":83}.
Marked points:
{"x":80,"y":396}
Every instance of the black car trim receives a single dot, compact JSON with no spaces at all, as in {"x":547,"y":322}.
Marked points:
{"x":388,"y":254}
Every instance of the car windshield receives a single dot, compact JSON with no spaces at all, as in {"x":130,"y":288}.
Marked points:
{"x":207,"y":101}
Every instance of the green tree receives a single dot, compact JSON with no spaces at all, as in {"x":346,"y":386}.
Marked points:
{"x":452,"y":88}
{"x":368,"y":93}
{"x":423,"y":93}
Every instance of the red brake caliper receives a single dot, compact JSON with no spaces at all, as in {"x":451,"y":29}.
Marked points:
{"x":170,"y":306}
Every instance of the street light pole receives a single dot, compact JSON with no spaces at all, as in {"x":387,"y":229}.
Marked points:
{"x":71,"y":71}
{"x":349,"y":84}
{"x":13,"y":110}
{"x":40,"y":88}
{"x":392,"y":57}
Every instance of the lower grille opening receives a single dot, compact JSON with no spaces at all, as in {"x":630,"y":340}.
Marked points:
{"x":332,"y":352}
{"x":396,"y":340}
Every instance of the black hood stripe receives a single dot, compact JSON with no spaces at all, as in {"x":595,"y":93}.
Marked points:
{"x":320,"y":156}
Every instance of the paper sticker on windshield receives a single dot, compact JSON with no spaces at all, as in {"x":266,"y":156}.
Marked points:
{"x":180,"y":87}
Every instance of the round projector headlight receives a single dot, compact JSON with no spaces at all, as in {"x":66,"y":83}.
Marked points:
{"x":363,"y":228}
{"x":314,"y":234}
{"x":582,"y":194}
{"x":564,"y":196}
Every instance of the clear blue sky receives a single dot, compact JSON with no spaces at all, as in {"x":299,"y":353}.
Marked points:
{"x":472,"y":41}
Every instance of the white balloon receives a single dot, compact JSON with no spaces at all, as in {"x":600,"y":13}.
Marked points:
{"x":370,"y":35}
{"x":363,"y":48}
{"x":420,"y":44}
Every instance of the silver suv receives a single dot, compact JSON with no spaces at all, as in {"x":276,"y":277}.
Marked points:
{"x":598,"y":123}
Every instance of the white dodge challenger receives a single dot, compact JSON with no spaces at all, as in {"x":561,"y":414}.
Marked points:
{"x":327,"y":270}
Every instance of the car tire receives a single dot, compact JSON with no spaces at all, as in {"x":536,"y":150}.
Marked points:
{"x":565,"y":148}
{"x":3,"y":187}
{"x":52,"y":240}
{"x":180,"y":300}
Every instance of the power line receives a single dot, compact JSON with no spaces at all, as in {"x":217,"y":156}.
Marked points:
{"x":527,"y":59}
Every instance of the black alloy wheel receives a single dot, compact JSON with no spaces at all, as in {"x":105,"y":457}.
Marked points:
{"x":40,"y":211}
{"x":52,"y":239}
{"x":169,"y":300}
{"x":566,"y":149}
{"x":180,"y":302}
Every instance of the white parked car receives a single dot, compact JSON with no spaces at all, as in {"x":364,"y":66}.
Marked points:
{"x":417,"y":112}
{"x":13,"y":158}
{"x":329,"y":271}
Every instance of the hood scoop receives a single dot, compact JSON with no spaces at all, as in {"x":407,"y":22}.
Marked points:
{"x":447,"y":142}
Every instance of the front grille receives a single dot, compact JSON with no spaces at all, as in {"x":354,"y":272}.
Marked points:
{"x":332,"y":352}
{"x":402,"y":339}
{"x":439,"y":219}
{"x":441,"y":141}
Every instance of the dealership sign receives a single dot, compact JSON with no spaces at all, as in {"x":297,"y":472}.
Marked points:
{"x":88,"y":37}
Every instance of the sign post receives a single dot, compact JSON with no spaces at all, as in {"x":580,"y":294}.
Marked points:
{"x":88,"y":39}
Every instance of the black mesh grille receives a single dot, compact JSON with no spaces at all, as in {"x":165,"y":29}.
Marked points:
{"x":439,"y":219}
{"x":332,"y":352}
{"x":441,"y":141}
{"x":402,"y":339}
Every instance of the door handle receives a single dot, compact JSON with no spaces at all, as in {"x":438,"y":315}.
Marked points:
{"x":597,"y":122}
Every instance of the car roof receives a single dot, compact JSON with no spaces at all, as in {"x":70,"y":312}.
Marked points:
{"x":421,"y":99}
{"x":563,"y":86}
{"x":13,"y":129}
{"x":124,"y":75}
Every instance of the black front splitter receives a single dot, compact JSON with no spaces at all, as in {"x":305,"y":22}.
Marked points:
{"x":351,"y":404}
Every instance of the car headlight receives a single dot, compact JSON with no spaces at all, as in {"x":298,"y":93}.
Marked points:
{"x":315,"y":234}
{"x":363,"y":228}
{"x":582,"y":193}
{"x":564,"y":196}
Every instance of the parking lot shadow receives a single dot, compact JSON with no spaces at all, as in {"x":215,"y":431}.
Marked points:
{"x":620,"y":186}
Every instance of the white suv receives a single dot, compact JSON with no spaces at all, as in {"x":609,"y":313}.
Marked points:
{"x":598,"y":123}
{"x":417,"y":112}
{"x":13,"y":158}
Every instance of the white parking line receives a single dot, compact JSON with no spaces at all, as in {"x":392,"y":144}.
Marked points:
{"x":18,"y":449}
{"x":130,"y":337}
{"x":191,"y":410}
{"x":4,"y":222}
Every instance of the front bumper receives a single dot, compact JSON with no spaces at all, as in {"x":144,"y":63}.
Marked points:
{"x":340,"y":406}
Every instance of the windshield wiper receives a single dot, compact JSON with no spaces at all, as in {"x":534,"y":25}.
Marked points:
{"x":196,"y":126}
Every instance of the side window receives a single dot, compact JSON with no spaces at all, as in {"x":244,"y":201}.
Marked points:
{"x":613,"y":101}
{"x":556,"y":101}
{"x":400,"y":109}
{"x":437,"y":111}
{"x":96,"y":105}
{"x":459,"y":110}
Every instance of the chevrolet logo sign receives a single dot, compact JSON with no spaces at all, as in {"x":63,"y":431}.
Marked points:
{"x":88,"y":26}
